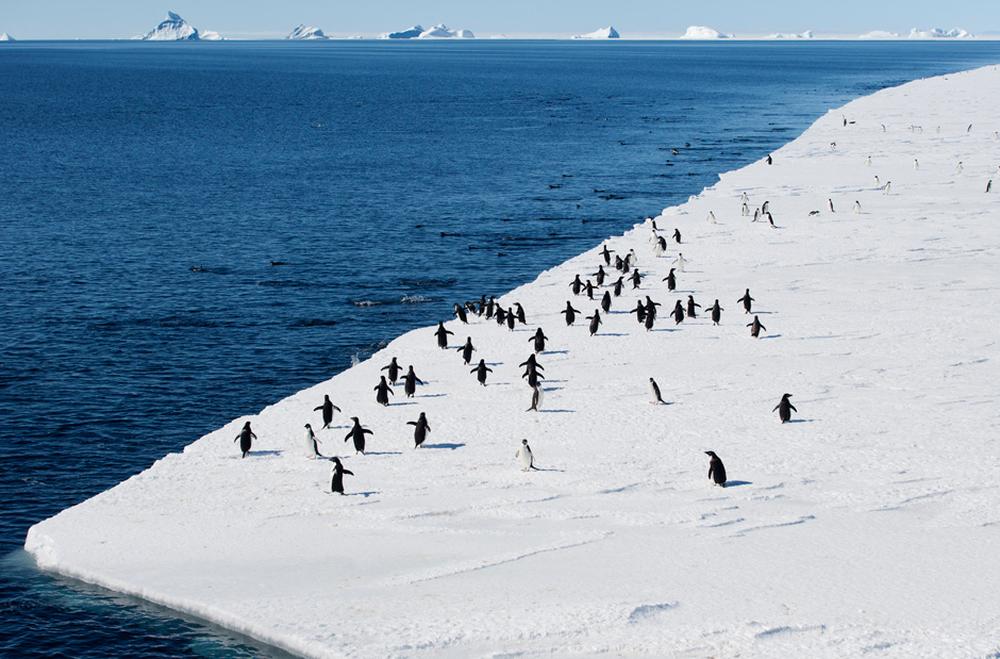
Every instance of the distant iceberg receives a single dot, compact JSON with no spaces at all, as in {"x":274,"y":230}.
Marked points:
{"x":704,"y":32}
{"x":409,"y":33}
{"x":808,"y":34}
{"x":879,"y":34}
{"x":210,"y":35}
{"x":441,"y":31}
{"x":6,"y":37}
{"x":608,"y":32}
{"x":306,"y":33}
{"x":172,"y":28}
{"x":938,"y":33}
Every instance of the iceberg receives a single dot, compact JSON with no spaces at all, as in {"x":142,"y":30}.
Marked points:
{"x":409,"y":33}
{"x":172,"y":28}
{"x":808,"y":34}
{"x":704,"y":32}
{"x":441,"y":31}
{"x":6,"y":37}
{"x":879,"y":34}
{"x":210,"y":35}
{"x":938,"y":33}
{"x":306,"y":33}
{"x":608,"y":32}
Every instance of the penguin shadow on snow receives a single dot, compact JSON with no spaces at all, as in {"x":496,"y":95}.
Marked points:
{"x":264,"y":454}
{"x":427,"y":396}
{"x":611,"y":334}
{"x":383,"y":453}
{"x":771,"y":336}
{"x":555,"y":352}
{"x":665,"y":329}
{"x":557,"y":411}
{"x":801,"y":421}
{"x":730,"y":484}
{"x":369,"y":493}
{"x":444,"y":445}
{"x":406,"y":402}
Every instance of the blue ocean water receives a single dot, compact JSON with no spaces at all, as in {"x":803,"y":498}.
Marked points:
{"x":146,"y":189}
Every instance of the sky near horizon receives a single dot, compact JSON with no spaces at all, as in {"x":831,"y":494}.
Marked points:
{"x":67,"y":19}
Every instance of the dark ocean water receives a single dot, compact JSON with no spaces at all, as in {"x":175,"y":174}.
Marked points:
{"x":392,"y":178}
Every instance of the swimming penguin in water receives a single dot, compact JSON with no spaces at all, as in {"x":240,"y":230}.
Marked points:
{"x":606,"y":302}
{"x":410,"y":381}
{"x":328,"y":407}
{"x":570,"y":313}
{"x":357,"y":434}
{"x":576,"y":285}
{"x":639,"y":311}
{"x":539,"y":339}
{"x":671,"y":280}
{"x":383,"y":390}
{"x":636,"y":279}
{"x":536,"y":398}
{"x":595,"y":321}
{"x":600,"y":275}
{"x":511,"y":319}
{"x":784,"y":408}
{"x":481,"y":370}
{"x":747,"y":301}
{"x":617,"y":286}
{"x":460,"y":314}
{"x":691,"y":305}
{"x":519,"y":313}
{"x":337,"y":476}
{"x":654,"y":389}
{"x":756,"y":327}
{"x":467,"y":350}
{"x":245,"y":439}
{"x":420,"y":430}
{"x":312,"y":443}
{"x":678,"y":313}
{"x":716,"y":312}
{"x":677,"y":236}
{"x":716,"y":470}
{"x":442,"y":336}
{"x":525,"y":457}
{"x":393,"y":369}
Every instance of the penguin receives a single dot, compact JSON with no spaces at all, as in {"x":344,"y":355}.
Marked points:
{"x":606,"y":253}
{"x":617,"y":286}
{"x":619,"y":264}
{"x":511,"y":319}
{"x":651,"y":307}
{"x":501,"y":316}
{"x":467,"y":350}
{"x":534,"y":377}
{"x":691,"y":307}
{"x":756,"y":327}
{"x":679,"y":262}
{"x":716,"y":311}
{"x":989,"y":186}
{"x":745,"y":210}
{"x":536,"y":399}
{"x":678,"y":313}
{"x":525,"y":457}
{"x":328,"y":407}
{"x":442,"y":336}
{"x":677,"y":236}
{"x":829,"y":203}
{"x":393,"y":369}
{"x":491,"y":307}
{"x":868,"y":160}
{"x":710,"y":219}
{"x":770,"y":220}
{"x":660,"y":246}
{"x":245,"y":439}
{"x":639,"y":311}
{"x":744,"y":197}
{"x":765,"y":207}
{"x":747,"y":301}
{"x":410,"y":380}
{"x":600,"y":275}
{"x":337,"y":476}
{"x":606,"y":302}
{"x":460,"y":314}
{"x":626,"y":265}
{"x":590,"y":289}
{"x":481,"y":370}
{"x":857,"y":207}
{"x":357,"y":434}
{"x":784,"y":408}
{"x":570,"y":313}
{"x":632,"y":259}
{"x":916,"y":164}
{"x":531,"y":363}
{"x":959,"y":167}
{"x":655,"y":390}
{"x":650,"y":320}
{"x":671,"y":280}
{"x":539,"y":339}
{"x":420,"y":430}
{"x":595,"y":322}
{"x":312,"y":445}
{"x":636,"y":279}
{"x":716,"y":470}
{"x":769,"y":160}
{"x":383,"y":389}
{"x":756,"y":215}
{"x":576,"y":285}
{"x":520,"y":313}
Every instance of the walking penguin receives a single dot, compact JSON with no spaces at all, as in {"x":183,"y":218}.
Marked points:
{"x":358,"y":435}
{"x":383,"y":390}
{"x":328,"y":407}
{"x":337,"y":476}
{"x":716,"y":470}
{"x":756,"y":327}
{"x":785,"y":408}
{"x":245,"y":438}
{"x":442,"y":336}
{"x":420,"y":430}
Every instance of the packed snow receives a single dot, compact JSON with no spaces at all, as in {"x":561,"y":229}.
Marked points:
{"x":6,"y":37}
{"x":867,"y":525}
{"x":938,"y":33}
{"x":703,"y":32}
{"x":409,"y":33}
{"x":172,"y":28}
{"x":608,"y":32}
{"x":306,"y":33}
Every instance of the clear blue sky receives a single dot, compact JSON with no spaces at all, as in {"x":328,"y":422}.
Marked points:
{"x":124,"y":18}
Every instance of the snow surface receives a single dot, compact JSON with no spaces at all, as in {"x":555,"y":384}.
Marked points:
{"x":6,"y":37}
{"x":306,"y":33}
{"x":172,"y":28}
{"x":608,"y":32}
{"x":703,"y":32}
{"x":938,"y":33}
{"x":442,"y":31}
{"x":408,"y":33}
{"x":869,"y":526}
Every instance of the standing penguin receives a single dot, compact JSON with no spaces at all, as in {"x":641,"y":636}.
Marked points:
{"x":491,"y":307}
{"x":393,"y":369}
{"x":520,"y":313}
{"x":460,"y":314}
{"x":576,"y":285}
{"x":691,"y":307}
{"x":328,"y":407}
{"x":420,"y":430}
{"x":716,"y":312}
{"x":245,"y":439}
{"x":747,"y":301}
{"x":536,"y":398}
{"x":606,"y":302}
{"x":829,"y":203}
{"x":410,"y":381}
{"x":677,"y":236}
{"x":531,"y":364}
{"x":570,"y":313}
{"x":784,"y":408}
{"x":383,"y":390}
{"x":660,"y":246}
{"x":671,"y":280}
{"x":716,"y":470}
{"x":678,"y":313}
{"x":600,"y":275}
{"x":501,"y":316}
{"x":655,"y":390}
{"x":680,"y":262}
{"x":481,"y":370}
{"x":467,"y":350}
{"x":756,"y":327}
{"x":539,"y":339}
{"x":769,"y":160}
{"x":589,"y":287}
{"x":650,"y":317}
{"x":525,"y":457}
{"x":617,"y":286}
{"x":357,"y":434}
{"x":639,"y":311}
{"x":636,"y":279}
{"x":337,"y":476}
{"x":312,"y":446}
{"x":606,"y":253}
{"x":442,"y":336}
{"x":595,"y":322}
{"x":511,"y":319}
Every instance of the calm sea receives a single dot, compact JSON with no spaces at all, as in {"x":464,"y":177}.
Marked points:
{"x":146,"y":189}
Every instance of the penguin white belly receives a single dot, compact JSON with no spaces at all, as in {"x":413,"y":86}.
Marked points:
{"x":524,"y":456}
{"x":539,"y":396}
{"x":310,"y":447}
{"x":653,"y":396}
